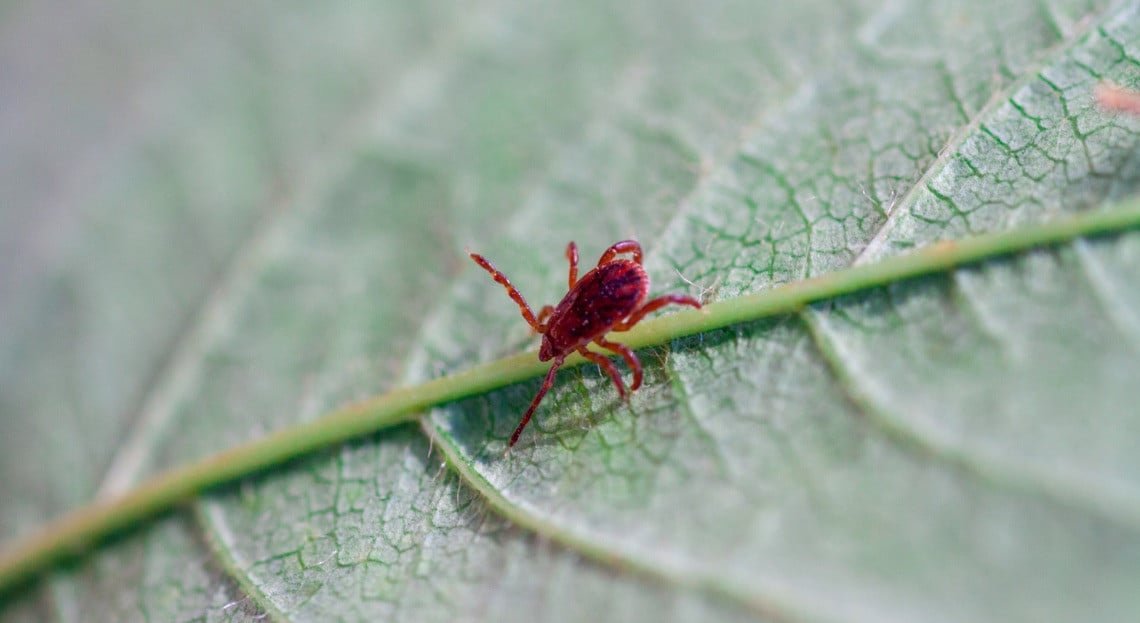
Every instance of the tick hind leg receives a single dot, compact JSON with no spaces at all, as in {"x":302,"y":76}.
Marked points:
{"x":546,"y":384}
{"x":654,"y":305}
{"x":625,"y":246}
{"x":626,"y":354}
{"x":606,"y":365}
{"x":498,"y":276}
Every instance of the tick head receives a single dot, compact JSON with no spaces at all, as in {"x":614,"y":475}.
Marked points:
{"x":546,"y":351}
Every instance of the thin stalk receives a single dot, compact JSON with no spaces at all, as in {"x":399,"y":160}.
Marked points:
{"x":81,"y":529}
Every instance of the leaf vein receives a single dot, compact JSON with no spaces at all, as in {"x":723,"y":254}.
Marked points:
{"x":1070,"y":491}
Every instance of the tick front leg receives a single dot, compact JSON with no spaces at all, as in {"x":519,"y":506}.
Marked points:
{"x":546,"y":384}
{"x":654,"y":305}
{"x":572,"y":257}
{"x":543,"y":314}
{"x":630,"y":359}
{"x":498,"y":276}
{"x":606,"y":365}
{"x":625,"y":246}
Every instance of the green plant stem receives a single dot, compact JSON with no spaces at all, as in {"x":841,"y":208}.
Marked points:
{"x":81,"y":529}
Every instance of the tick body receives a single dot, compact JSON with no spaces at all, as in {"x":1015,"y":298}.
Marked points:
{"x":611,"y":297}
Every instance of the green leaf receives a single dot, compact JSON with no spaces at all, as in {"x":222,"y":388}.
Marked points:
{"x":274,"y":225}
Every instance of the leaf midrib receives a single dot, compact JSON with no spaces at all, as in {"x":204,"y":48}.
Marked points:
{"x":1000,"y":474}
{"x":84,"y":527}
{"x":660,"y":331}
{"x":954,"y":144}
{"x":246,"y":264}
{"x":1072,"y":492}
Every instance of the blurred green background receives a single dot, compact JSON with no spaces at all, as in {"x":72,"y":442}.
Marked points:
{"x":219,"y":219}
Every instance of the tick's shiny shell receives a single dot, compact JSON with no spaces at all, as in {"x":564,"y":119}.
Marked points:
{"x":601,"y":298}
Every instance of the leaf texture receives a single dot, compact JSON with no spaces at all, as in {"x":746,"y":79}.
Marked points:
{"x":274,"y":224}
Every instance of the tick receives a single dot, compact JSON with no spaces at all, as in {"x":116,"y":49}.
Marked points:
{"x":611,"y":297}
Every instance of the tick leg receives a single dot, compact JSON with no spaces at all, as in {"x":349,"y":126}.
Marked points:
{"x":544,"y":313}
{"x":527,"y":314}
{"x":625,"y":246}
{"x":546,"y":384}
{"x":606,"y":365}
{"x":627,"y":354}
{"x":572,"y":257}
{"x":654,"y":305}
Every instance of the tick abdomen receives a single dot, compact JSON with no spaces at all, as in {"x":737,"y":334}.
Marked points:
{"x":600,"y":299}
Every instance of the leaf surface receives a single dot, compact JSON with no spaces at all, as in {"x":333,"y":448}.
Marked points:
{"x":278,"y":228}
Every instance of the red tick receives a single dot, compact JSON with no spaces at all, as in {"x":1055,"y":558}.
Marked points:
{"x":611,"y":297}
